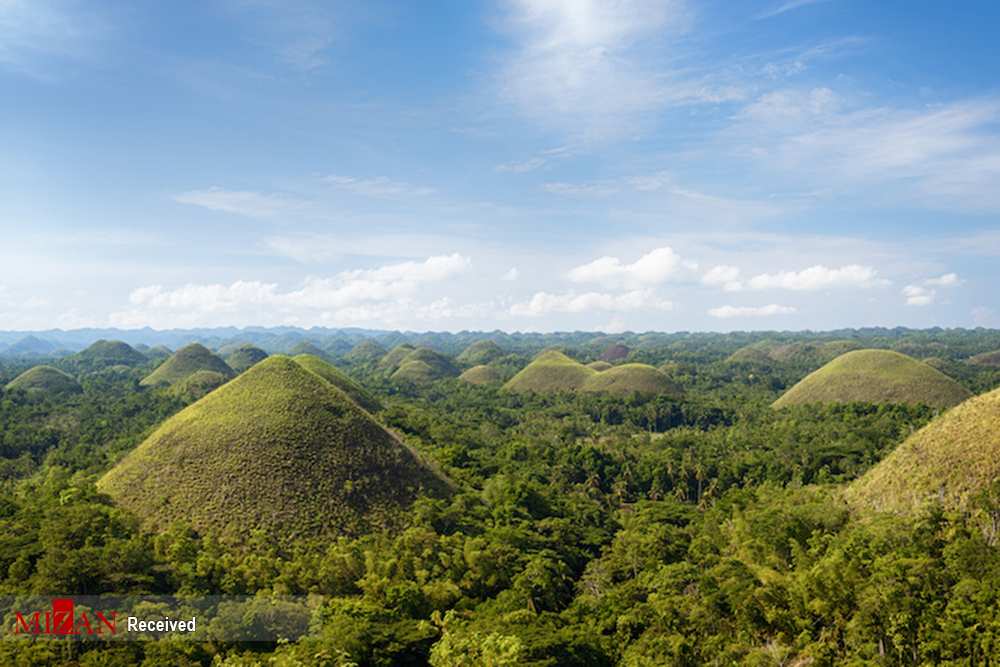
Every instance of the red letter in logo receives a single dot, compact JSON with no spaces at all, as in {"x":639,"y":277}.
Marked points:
{"x":62,"y":616}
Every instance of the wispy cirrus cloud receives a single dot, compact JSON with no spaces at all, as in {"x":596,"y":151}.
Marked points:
{"x":378,"y":186}
{"x":35,"y":33}
{"x":788,"y":6}
{"x":241,"y":202}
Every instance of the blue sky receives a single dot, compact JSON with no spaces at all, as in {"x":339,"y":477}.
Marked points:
{"x":522,"y":164}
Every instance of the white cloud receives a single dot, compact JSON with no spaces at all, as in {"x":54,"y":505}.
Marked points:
{"x":729,"y":312}
{"x":724,"y":276}
{"x":317,"y":299}
{"x":378,"y":187}
{"x":543,"y":303}
{"x":819,"y":277}
{"x":581,"y":189}
{"x":947,"y":280}
{"x":240,"y":202}
{"x":788,"y":6}
{"x":511,"y":274}
{"x":653,"y":268}
{"x":919,"y":296}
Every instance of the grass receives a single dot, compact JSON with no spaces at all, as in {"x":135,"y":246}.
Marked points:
{"x":279,"y":450}
{"x":424,"y":365}
{"x":480,"y":352}
{"x":876,"y":376}
{"x":110,"y":353}
{"x":45,"y":379}
{"x":550,"y":371}
{"x":185,"y":362}
{"x":244,"y":357}
{"x":305,"y":347}
{"x":482,"y":375}
{"x":950,"y":460}
{"x":629,"y":379}
{"x":599,"y":365}
{"x":198,"y":384}
{"x":393,"y":359}
{"x":986,"y":359}
{"x":338,"y":379}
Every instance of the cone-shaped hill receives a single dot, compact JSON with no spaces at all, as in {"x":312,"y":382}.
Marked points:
{"x":338,"y":379}
{"x":480,"y":352}
{"x":986,"y":359}
{"x":106,"y":353}
{"x":307,"y":347}
{"x":277,"y":449}
{"x":198,"y":384}
{"x":394,"y":357}
{"x":244,"y":356}
{"x":876,"y":376}
{"x":950,"y":460}
{"x":481,"y":375}
{"x":629,"y":379}
{"x":45,"y":380}
{"x":424,"y":365}
{"x":185,"y":362}
{"x":550,"y":371}
{"x":365,"y":351}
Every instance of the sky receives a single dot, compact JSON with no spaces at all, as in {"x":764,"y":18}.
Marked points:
{"x":524,"y":165}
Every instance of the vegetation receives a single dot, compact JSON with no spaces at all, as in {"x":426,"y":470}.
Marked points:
{"x":422,"y":366}
{"x":338,"y":379}
{"x":244,"y":356}
{"x":104,"y":353}
{"x":986,"y":359}
{"x":599,"y":365}
{"x":550,"y":371}
{"x":44,"y":379}
{"x":393,"y":359}
{"x":198,"y":384}
{"x":479,"y":353}
{"x":952,"y":461}
{"x":482,"y":375}
{"x":185,"y":362}
{"x":307,"y":348}
{"x":279,"y":451}
{"x":615,"y":352}
{"x":629,"y":379}
{"x":876,"y":376}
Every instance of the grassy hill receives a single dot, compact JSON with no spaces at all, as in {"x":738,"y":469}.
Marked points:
{"x":45,"y":379}
{"x":951,"y":460}
{"x":198,"y":384}
{"x":615,"y":352}
{"x":108,"y":353}
{"x":482,"y":375}
{"x":185,"y":362}
{"x":809,"y":353}
{"x":991,"y":359}
{"x":244,"y":356}
{"x":876,"y":376}
{"x":278,"y":449}
{"x":365,"y":351}
{"x":550,"y":371}
{"x":338,"y":379}
{"x":599,"y":365}
{"x":629,"y":379}
{"x":307,"y":347}
{"x":480,"y":352}
{"x":393,"y":359}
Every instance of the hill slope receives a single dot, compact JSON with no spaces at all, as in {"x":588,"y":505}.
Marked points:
{"x":950,"y":459}
{"x":244,"y":356}
{"x":365,"y":351}
{"x":185,"y":362}
{"x":198,"y":384}
{"x":334,"y":376}
{"x":480,"y":352}
{"x":394,"y":357}
{"x":986,"y":359}
{"x":629,"y":379}
{"x":424,"y":365}
{"x":481,"y":375}
{"x":550,"y":371}
{"x":876,"y":376}
{"x":109,"y":353}
{"x":45,"y":379}
{"x":277,"y":449}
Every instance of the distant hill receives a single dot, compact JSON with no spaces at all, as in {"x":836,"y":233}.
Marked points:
{"x":338,"y":379}
{"x":45,"y":380}
{"x":550,"y":371}
{"x":424,"y":365}
{"x":280,"y":450}
{"x":480,"y":352}
{"x":106,"y":353}
{"x":628,"y":379}
{"x":876,"y":376}
{"x":394,"y":357}
{"x":365,"y":351}
{"x":615,"y":352}
{"x":31,"y":346}
{"x":185,"y":362}
{"x":307,"y":347}
{"x":599,"y":365}
{"x":158,"y":352}
{"x":950,"y":460}
{"x":986,"y":359}
{"x":808,"y":353}
{"x":482,"y":375}
{"x":244,"y":356}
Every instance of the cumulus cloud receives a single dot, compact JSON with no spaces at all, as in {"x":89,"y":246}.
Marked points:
{"x":240,"y":202}
{"x":543,"y":303}
{"x":343,"y":296}
{"x":653,"y":268}
{"x":378,"y":187}
{"x":947,"y":280}
{"x":729,"y":312}
{"x":925,"y":293}
{"x":724,"y":276}
{"x":819,"y":277}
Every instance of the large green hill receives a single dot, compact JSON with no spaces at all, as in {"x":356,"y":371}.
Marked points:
{"x":482,"y":375}
{"x":108,"y":353}
{"x":394,"y":357}
{"x":339,"y":380}
{"x":424,"y":365}
{"x":198,"y":384}
{"x":480,"y":352}
{"x":365,"y":351}
{"x":307,"y":347}
{"x":278,"y":449}
{"x":244,"y":356}
{"x":550,"y":371}
{"x":876,"y":376}
{"x":950,"y":460}
{"x":629,"y":379}
{"x":185,"y":362}
{"x":45,"y":380}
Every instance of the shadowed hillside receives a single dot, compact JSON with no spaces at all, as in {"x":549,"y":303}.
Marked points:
{"x":365,"y":351}
{"x":185,"y":362}
{"x":424,"y":365}
{"x":339,"y":380}
{"x":480,"y":352}
{"x":991,"y":359}
{"x":278,"y":449}
{"x":876,"y":376}
{"x":244,"y":356}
